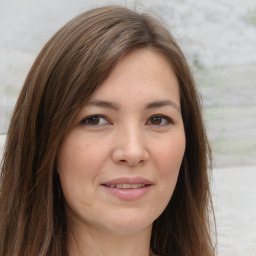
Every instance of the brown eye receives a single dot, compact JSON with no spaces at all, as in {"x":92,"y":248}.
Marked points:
{"x":156,"y":120}
{"x":95,"y":120}
{"x":160,"y":120}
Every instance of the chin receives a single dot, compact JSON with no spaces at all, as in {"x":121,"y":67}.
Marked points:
{"x":129,"y":223}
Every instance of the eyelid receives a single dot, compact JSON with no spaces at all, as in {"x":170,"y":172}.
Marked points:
{"x":169,"y":120}
{"x":83,"y":121}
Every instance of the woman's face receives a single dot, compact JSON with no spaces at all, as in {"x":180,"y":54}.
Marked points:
{"x":119,"y":163}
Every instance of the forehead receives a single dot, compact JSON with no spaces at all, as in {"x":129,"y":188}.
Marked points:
{"x":142,"y":73}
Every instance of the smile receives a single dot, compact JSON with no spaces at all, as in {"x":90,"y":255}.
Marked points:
{"x":127,"y":186}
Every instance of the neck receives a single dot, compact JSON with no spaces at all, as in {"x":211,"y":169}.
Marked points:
{"x":90,"y":241}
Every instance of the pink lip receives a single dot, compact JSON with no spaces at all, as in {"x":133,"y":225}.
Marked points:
{"x":128,"y":194}
{"x":126,"y":180}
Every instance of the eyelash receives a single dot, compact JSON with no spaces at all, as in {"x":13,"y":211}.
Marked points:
{"x":160,"y":117}
{"x":168,"y":120}
{"x":85,"y":121}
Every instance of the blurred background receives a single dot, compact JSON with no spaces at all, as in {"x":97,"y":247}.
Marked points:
{"x":218,"y":38}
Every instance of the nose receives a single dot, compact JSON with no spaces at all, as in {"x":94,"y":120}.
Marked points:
{"x":130,"y":147}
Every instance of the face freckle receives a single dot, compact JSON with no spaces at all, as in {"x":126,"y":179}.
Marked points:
{"x":125,"y":148}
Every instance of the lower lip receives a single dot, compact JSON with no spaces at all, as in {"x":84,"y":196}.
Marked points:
{"x":128,"y":194}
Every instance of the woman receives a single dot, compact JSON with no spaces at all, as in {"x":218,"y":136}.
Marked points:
{"x":106,"y":152}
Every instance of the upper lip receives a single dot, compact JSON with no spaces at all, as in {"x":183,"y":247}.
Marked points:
{"x":126,"y":180}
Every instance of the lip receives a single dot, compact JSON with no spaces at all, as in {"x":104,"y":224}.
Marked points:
{"x":127,"y":180}
{"x":127,"y":194}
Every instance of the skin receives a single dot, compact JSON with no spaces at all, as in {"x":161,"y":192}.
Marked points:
{"x":138,"y":132}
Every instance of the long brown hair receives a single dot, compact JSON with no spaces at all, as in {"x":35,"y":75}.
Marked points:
{"x":70,"y":67}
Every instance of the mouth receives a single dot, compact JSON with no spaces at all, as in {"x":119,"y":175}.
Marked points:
{"x":128,"y":188}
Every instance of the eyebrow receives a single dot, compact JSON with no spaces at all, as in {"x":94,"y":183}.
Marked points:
{"x":115,"y":106}
{"x":163,"y":103}
{"x":104,"y":104}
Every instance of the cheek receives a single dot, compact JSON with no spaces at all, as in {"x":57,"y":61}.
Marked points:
{"x":168,"y":160}
{"x":73,"y":166}
{"x":78,"y":171}
{"x":80,"y":157}
{"x":79,"y":162}
{"x":169,"y":155}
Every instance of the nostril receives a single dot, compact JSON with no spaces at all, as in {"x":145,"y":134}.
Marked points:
{"x":128,"y":156}
{"x":123,"y":161}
